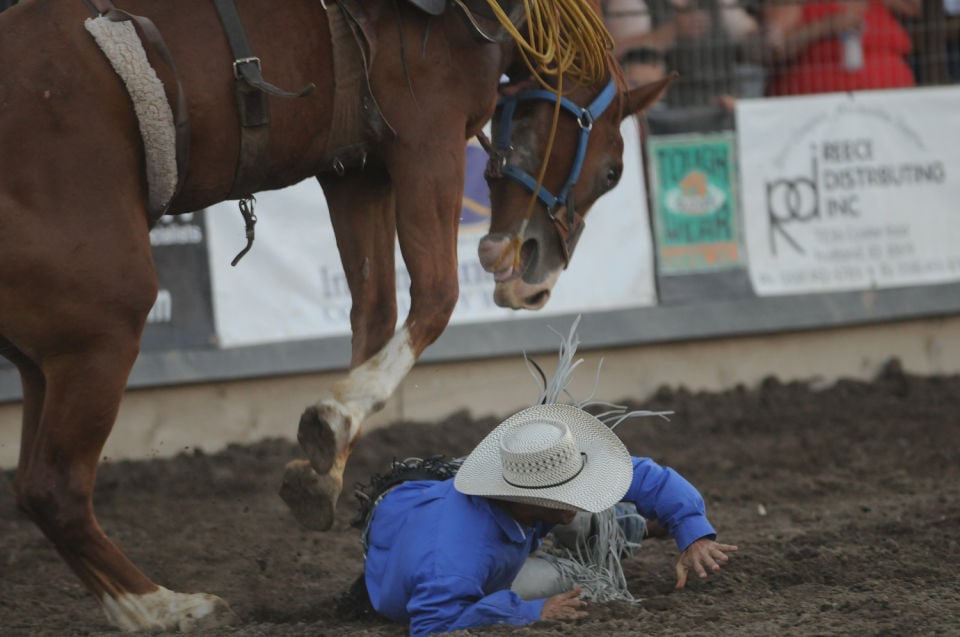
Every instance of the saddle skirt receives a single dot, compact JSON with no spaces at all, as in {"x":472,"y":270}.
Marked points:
{"x":121,"y":45}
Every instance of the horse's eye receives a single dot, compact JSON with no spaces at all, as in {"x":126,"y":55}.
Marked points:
{"x":613,"y":176}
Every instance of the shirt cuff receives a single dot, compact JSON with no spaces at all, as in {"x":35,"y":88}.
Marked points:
{"x":532,"y":610}
{"x":691,"y":529}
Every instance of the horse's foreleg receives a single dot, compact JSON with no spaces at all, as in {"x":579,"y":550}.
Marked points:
{"x":429,"y":187}
{"x":429,"y":192}
{"x":427,"y":222}
{"x":362,"y":212}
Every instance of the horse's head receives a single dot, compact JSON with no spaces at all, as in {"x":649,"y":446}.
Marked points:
{"x":530,"y":243}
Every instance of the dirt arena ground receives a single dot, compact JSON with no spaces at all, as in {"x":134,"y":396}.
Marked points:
{"x":844,"y":500}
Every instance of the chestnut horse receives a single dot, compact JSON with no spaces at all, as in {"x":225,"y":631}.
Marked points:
{"x":76,"y":275}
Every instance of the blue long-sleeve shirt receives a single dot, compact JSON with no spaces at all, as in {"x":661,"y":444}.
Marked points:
{"x":444,"y":561}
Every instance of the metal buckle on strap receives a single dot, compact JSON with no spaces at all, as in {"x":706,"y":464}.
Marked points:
{"x":238,"y":62}
{"x":585,"y":120}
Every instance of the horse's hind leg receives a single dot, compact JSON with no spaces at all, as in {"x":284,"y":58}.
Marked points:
{"x":55,"y":477}
{"x":34,"y":388}
{"x":55,"y":480}
{"x":362,"y":212}
{"x":73,"y":328}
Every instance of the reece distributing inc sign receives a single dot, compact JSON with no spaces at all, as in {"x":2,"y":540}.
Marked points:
{"x":851,"y":192}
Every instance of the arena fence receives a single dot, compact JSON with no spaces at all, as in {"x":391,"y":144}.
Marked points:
{"x":755,"y":48}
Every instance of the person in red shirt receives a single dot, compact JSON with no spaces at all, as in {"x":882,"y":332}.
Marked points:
{"x":822,"y":47}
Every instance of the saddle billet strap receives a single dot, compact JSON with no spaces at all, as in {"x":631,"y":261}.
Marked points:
{"x":152,"y":36}
{"x":363,"y":30}
{"x":252,"y":104}
{"x":345,"y":142}
{"x":357,"y":118}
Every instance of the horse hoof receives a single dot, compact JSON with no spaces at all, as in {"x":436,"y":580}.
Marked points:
{"x":166,"y":610}
{"x":220,"y":615}
{"x":311,"y":497}
{"x":317,"y":435}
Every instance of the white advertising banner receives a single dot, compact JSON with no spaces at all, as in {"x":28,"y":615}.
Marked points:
{"x":290,"y":286}
{"x":851,"y":191}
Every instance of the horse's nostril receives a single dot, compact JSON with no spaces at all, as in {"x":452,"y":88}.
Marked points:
{"x":538,"y":299}
{"x":528,"y":255}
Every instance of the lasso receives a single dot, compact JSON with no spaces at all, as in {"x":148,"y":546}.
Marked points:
{"x":566,"y":39}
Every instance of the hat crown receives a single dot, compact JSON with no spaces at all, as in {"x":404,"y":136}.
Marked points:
{"x":539,"y":454}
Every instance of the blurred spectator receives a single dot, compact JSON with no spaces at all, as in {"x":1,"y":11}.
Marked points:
{"x":821,"y":47}
{"x":935,"y":34}
{"x":700,"y":39}
{"x":6,"y":4}
{"x":628,"y":22}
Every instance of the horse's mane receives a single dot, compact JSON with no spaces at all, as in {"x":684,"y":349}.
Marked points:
{"x":616,"y":72}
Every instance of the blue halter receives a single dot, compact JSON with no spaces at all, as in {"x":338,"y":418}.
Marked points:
{"x":585,"y":117}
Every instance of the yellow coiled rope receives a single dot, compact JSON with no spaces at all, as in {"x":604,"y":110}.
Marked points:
{"x":565,"y":38}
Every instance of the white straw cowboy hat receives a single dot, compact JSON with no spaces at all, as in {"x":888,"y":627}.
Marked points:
{"x":556,"y":456}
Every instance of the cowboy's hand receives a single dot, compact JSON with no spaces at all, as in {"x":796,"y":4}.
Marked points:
{"x":564,"y":606}
{"x":702,"y":557}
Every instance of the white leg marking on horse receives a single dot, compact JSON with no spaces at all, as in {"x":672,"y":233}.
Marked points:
{"x":164,"y":609}
{"x":372,"y":383}
{"x":367,"y":387}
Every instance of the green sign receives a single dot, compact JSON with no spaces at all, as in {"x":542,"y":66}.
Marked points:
{"x":695,"y":209}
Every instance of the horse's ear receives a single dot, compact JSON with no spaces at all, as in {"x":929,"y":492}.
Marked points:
{"x":640,"y":98}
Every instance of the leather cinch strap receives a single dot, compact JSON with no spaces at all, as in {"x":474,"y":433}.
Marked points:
{"x":252,"y":104}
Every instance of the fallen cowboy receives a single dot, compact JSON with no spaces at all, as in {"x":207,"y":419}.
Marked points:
{"x":530,"y":526}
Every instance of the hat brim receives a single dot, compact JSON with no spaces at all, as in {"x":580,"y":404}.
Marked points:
{"x":604,"y":480}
